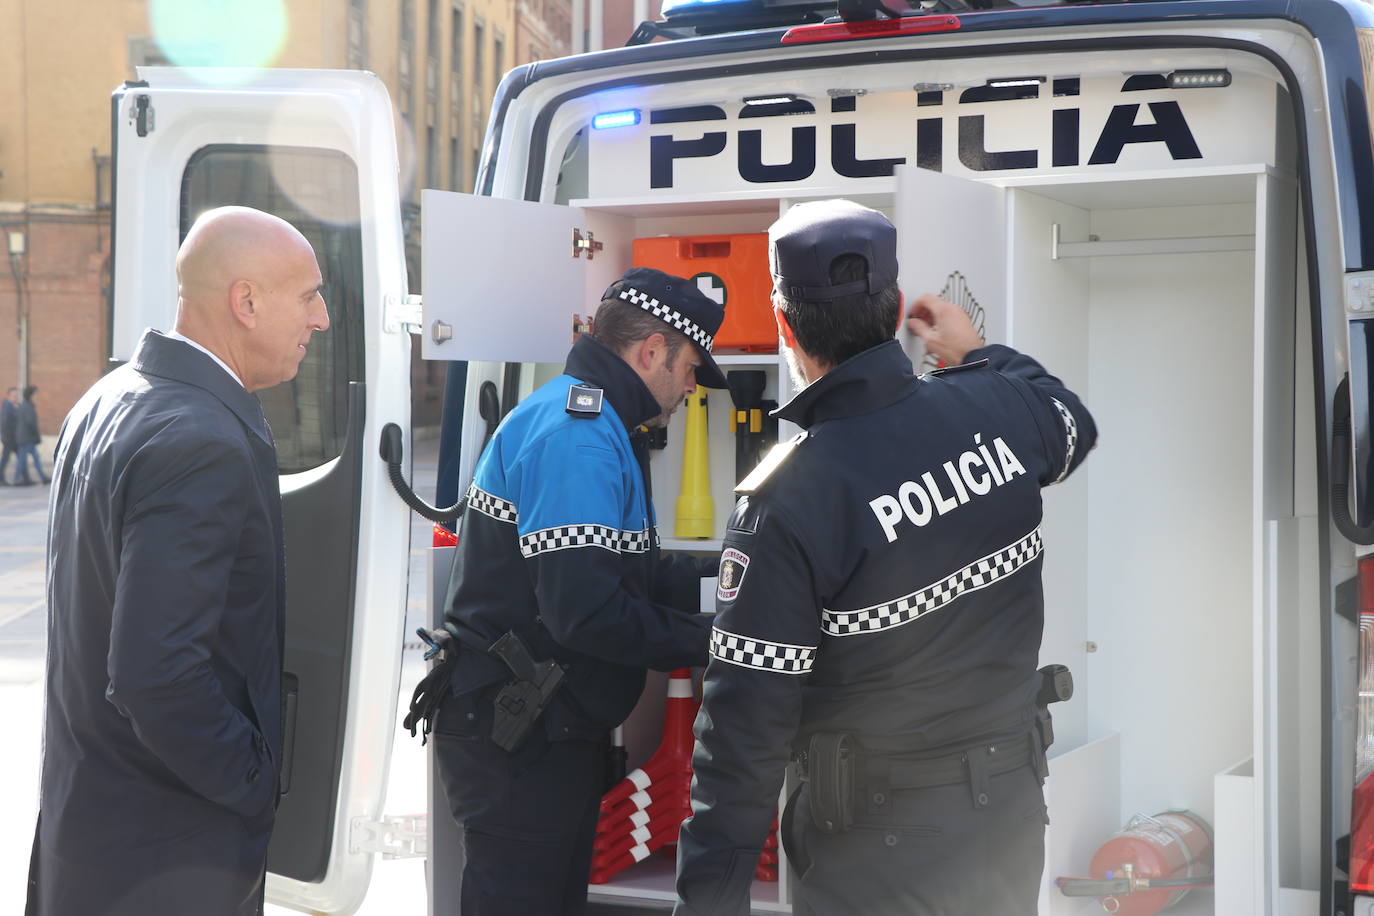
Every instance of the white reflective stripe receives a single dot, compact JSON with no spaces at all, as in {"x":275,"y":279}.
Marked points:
{"x":564,"y":536}
{"x":635,"y":541}
{"x":640,"y":834}
{"x":992,"y":568}
{"x":1071,"y":433}
{"x":639,"y":853}
{"x":680,"y":688}
{"x":751,"y":652}
{"x":641,"y":779}
{"x":639,"y":818}
{"x":500,"y":509}
{"x":641,"y":800}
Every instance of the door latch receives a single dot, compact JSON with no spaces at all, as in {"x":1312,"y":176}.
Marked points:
{"x":587,"y":243}
{"x":143,"y":115}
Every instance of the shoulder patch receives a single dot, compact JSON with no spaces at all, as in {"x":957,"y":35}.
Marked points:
{"x":733,"y":565}
{"x":770,"y":463}
{"x":962,"y":367}
{"x":584,"y":401}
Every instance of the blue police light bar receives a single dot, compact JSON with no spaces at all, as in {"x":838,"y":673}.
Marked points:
{"x":627,"y":118}
{"x":671,"y":8}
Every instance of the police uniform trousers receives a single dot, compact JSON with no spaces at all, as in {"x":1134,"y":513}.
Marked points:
{"x":933,"y":852}
{"x":528,"y":816}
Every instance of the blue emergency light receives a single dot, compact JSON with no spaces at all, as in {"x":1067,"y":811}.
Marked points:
{"x":627,"y":118}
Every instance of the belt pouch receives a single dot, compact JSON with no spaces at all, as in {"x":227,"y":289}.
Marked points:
{"x":830,"y":775}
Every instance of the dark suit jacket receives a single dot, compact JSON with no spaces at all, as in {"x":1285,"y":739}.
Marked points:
{"x":166,"y":595}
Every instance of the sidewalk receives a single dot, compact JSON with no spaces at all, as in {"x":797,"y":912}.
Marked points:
{"x":397,"y":887}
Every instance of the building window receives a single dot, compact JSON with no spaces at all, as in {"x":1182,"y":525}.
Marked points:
{"x":435,"y":33}
{"x":455,"y":166}
{"x":455,"y":70}
{"x":405,"y":62}
{"x":357,"y":34}
{"x":103,"y":199}
{"x":498,"y":53}
{"x":479,"y":34}
{"x":431,"y":157}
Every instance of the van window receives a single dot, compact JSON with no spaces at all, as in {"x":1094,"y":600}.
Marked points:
{"x":317,"y":192}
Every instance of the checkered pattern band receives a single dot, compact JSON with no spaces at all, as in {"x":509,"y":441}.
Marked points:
{"x":761,"y":654}
{"x":565,"y":536}
{"x":1071,"y":431}
{"x":635,"y":541}
{"x":992,"y":568}
{"x":670,"y":315}
{"x":494,"y":506}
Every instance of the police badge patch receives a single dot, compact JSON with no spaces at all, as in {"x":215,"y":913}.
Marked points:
{"x":733,"y":565}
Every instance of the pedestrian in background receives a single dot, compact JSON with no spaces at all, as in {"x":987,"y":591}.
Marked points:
{"x":26,"y":438}
{"x":9,"y":423}
{"x":167,"y":597}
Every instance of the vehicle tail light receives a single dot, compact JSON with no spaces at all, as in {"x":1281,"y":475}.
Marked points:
{"x":869,"y":28}
{"x":1362,"y":813}
{"x":444,"y":538}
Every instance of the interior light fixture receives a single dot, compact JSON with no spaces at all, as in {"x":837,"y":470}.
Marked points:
{"x":1199,"y":79}
{"x":784,"y":99}
{"x":1013,"y":82}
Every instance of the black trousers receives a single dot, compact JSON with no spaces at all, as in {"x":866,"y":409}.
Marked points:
{"x":935,"y":853}
{"x":528,"y":817}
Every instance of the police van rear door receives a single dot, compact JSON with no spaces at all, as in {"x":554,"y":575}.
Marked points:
{"x":318,"y":149}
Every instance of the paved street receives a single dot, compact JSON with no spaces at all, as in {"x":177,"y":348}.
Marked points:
{"x":397,"y":886}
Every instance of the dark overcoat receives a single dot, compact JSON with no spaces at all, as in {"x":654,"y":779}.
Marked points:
{"x":166,"y":596}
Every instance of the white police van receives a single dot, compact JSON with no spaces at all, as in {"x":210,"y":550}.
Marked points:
{"x":1170,"y":204}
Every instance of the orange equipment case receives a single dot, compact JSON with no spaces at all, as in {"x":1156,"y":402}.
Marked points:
{"x":732,"y":266}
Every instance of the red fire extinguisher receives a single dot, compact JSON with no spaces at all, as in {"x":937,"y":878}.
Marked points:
{"x":1149,"y":866}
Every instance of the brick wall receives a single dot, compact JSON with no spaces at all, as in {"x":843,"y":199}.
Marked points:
{"x":67,"y":268}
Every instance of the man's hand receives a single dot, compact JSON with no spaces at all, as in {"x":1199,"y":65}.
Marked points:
{"x":946,"y":329}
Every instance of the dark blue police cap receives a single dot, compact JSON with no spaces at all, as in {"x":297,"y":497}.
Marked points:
{"x":808,"y":237}
{"x":679,"y":304}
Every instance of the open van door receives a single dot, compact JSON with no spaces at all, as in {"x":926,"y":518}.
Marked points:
{"x":318,"y":149}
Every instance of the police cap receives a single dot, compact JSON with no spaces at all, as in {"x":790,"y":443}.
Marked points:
{"x":806,"y":239}
{"x":680,"y":305}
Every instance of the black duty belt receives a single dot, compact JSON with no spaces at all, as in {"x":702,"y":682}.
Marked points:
{"x":922,"y":773}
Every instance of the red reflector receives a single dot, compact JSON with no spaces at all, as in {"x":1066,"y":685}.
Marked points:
{"x":1362,"y":838}
{"x":444,"y":538}
{"x":1367,"y":583}
{"x":871,"y":28}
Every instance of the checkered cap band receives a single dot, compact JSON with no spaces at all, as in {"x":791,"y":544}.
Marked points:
{"x":761,"y":654}
{"x":566,"y":536}
{"x":494,"y":506}
{"x":1071,"y":432}
{"x":980,"y":574}
{"x":684,"y":324}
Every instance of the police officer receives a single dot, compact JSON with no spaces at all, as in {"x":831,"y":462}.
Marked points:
{"x":879,"y":608}
{"x":560,"y":598}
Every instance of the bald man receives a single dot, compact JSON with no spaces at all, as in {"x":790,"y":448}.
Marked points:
{"x":166,"y":596}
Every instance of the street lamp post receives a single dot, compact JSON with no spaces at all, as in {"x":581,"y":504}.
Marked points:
{"x":17,"y":248}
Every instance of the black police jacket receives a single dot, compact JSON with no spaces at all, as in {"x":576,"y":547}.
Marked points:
{"x":884,"y":581}
{"x":558,"y":544}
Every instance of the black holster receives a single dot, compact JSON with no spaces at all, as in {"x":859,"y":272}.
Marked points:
{"x":830,"y":781}
{"x":520,"y":703}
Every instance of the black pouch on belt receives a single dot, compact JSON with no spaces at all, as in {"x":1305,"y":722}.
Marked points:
{"x":830,"y":781}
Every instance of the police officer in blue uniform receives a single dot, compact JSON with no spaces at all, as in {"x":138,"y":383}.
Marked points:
{"x":879,"y":608}
{"x":560,"y":598}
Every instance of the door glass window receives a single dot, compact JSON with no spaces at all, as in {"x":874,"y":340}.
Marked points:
{"x":317,"y":192}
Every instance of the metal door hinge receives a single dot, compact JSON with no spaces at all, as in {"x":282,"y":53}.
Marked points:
{"x":587,"y":243}
{"x":401,"y":314}
{"x":403,"y":837}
